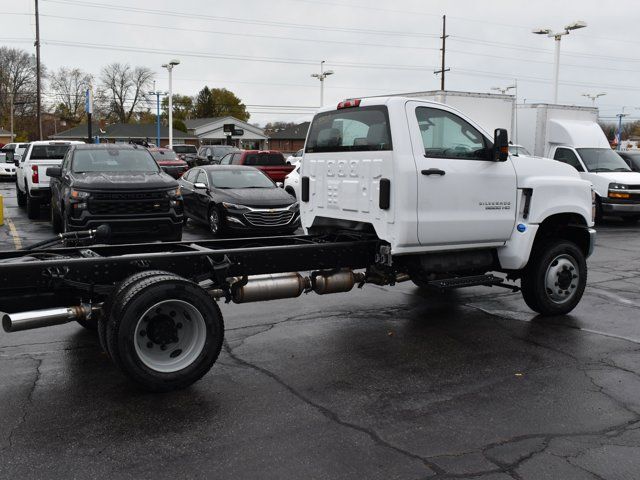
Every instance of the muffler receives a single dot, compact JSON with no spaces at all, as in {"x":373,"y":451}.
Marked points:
{"x":270,"y":287}
{"x":15,"y":322}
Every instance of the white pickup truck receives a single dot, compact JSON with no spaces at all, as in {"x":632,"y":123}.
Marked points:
{"x":32,"y":182}
{"x":449,"y":199}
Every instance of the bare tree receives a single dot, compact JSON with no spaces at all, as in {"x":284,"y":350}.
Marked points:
{"x":126,"y":89}
{"x":17,"y":78}
{"x":69,"y":87}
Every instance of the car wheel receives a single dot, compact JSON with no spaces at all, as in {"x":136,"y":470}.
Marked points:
{"x":216,"y":226}
{"x":56,"y":220}
{"x":22,"y":197}
{"x":33,"y":207}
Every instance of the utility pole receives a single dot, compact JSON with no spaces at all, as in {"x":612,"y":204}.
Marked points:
{"x":11,"y":115}
{"x":37,"y":45}
{"x":322,"y":76}
{"x":444,"y":51}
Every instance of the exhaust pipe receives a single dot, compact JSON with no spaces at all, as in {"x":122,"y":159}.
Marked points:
{"x":270,"y":287}
{"x":16,"y":322}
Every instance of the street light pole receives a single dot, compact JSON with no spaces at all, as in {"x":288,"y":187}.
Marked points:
{"x":169,"y":66}
{"x":557,"y":36}
{"x":321,"y":76}
{"x":157,"y":94}
{"x":594,"y":97}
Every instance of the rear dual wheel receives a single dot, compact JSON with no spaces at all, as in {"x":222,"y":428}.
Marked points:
{"x":163,"y":331}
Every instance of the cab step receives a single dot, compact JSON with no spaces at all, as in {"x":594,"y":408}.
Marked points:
{"x":472,"y":281}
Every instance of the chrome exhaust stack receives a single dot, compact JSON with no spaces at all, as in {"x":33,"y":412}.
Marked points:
{"x":16,"y":322}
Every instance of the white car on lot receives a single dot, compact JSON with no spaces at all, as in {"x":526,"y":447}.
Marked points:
{"x":32,"y":182}
{"x":9,"y":154}
{"x":292,"y":182}
{"x":295,"y":158}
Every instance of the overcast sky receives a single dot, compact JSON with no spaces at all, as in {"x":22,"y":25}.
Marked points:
{"x":265,"y":51}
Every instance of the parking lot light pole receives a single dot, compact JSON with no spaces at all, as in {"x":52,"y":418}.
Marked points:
{"x":593,"y":97}
{"x":157,"y":94}
{"x":557,"y":36}
{"x":169,"y":66}
{"x":321,"y":76}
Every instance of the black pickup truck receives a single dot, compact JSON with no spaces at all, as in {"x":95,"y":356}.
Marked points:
{"x":118,"y":185}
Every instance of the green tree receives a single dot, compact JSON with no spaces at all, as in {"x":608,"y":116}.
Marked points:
{"x":220,"y":102}
{"x":183,"y":108}
{"x":179,"y":125}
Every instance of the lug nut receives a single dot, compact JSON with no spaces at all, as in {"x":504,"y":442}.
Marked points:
{"x":178,"y":325}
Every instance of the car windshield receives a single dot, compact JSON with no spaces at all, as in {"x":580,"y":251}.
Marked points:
{"x":49,"y":152}
{"x":113,"y":160}
{"x":602,"y":160}
{"x":240,"y":179}
{"x":185,"y":149}
{"x":518,"y":150}
{"x":164,"y":155}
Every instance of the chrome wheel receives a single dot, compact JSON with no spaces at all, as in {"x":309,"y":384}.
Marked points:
{"x":561,"y":279}
{"x":214,"y":221}
{"x":170,"y":336}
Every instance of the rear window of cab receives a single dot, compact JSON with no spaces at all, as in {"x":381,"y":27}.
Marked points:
{"x":357,"y":129}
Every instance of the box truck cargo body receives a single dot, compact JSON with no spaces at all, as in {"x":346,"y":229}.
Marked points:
{"x":571,"y":135}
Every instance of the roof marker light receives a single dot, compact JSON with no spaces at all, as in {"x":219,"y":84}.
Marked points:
{"x":349,"y":103}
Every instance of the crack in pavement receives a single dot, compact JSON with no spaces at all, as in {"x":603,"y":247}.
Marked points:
{"x":28,"y":402}
{"x":332,"y":416}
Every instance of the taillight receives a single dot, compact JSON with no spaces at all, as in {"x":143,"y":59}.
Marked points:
{"x":349,"y":103}
{"x":34,"y":174}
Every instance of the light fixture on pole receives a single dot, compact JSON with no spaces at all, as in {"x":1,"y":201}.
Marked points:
{"x":157,"y":94}
{"x":504,"y":90}
{"x":557,"y":36}
{"x":169,"y":66}
{"x":321,"y":76}
{"x":593,"y":97}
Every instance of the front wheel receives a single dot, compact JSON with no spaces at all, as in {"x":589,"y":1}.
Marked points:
{"x":555,"y":278}
{"x":215,"y":221}
{"x":165,"y":332}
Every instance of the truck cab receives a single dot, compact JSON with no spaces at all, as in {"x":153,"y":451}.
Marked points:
{"x":443,"y":193}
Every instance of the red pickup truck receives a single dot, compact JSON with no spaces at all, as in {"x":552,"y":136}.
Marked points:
{"x":270,"y":162}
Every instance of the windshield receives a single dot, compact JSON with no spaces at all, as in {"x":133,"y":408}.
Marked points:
{"x":219,"y":152}
{"x":164,"y":155}
{"x":350,"y":129}
{"x":49,"y":152}
{"x":264,"y":159}
{"x":518,"y":150}
{"x":240,"y":179}
{"x":113,"y":160}
{"x":602,"y":160}
{"x":185,"y":149}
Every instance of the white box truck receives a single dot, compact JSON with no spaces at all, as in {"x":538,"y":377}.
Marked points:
{"x":571,"y":135}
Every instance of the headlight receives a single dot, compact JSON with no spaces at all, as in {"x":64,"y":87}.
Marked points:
{"x":174,"y":193}
{"x":78,"y":194}
{"x":233,"y":206}
{"x":294,"y":206}
{"x":618,"y":186}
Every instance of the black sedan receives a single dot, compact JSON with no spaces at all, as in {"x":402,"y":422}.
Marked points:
{"x":238,"y":198}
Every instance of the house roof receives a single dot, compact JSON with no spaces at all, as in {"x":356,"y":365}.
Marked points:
{"x":205,"y":128}
{"x":199,"y":122}
{"x":121,"y":130}
{"x":297,"y":132}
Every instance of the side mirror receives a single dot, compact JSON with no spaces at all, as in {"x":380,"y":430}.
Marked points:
{"x":200,"y":186}
{"x":54,"y":172}
{"x":210,"y":157}
{"x":500,"y":145}
{"x":280,"y":184}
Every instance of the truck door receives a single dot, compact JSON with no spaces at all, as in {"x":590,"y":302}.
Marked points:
{"x":465,"y":198}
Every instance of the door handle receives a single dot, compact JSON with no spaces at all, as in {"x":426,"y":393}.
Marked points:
{"x":433,"y":171}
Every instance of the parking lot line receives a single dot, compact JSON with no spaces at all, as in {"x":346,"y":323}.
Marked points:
{"x":17,"y":242}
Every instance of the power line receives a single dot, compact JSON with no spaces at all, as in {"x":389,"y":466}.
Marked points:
{"x":274,"y":37}
{"x":238,"y":20}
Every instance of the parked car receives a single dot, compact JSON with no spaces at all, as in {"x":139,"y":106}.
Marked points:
{"x":296,"y":157}
{"x":212,"y":154}
{"x":9,"y":154}
{"x":292,"y":182}
{"x":169,"y":162}
{"x":238,"y":198}
{"x":32,"y":181}
{"x":631,"y":158}
{"x":118,"y":185}
{"x":270,"y":162}
{"x":186,"y":152}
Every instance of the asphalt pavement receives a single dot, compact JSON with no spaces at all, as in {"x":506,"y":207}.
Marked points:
{"x":379,"y":383}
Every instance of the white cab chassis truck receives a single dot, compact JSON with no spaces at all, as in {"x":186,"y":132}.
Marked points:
{"x":571,"y":135}
{"x":392,"y":189}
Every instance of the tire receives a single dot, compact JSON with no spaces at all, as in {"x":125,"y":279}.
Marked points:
{"x":159,"y":312}
{"x":555,"y":264}
{"x":217,"y":228}
{"x":22,"y":197}
{"x":56,"y":220}
{"x":33,"y":207}
{"x":116,"y":297}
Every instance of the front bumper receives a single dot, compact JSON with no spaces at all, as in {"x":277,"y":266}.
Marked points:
{"x":7,"y":171}
{"x":156,"y":227}
{"x":621,"y":208}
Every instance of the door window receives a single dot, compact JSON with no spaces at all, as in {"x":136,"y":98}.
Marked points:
{"x":190,"y":175}
{"x":445,"y":135}
{"x":567,"y":156}
{"x":202,"y":177}
{"x":226,"y":160}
